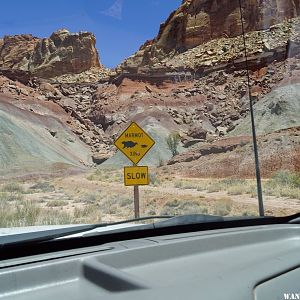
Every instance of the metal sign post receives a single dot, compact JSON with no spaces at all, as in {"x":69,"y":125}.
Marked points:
{"x":136,"y":201}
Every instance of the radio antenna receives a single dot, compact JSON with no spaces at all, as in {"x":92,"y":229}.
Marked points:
{"x":255,"y":148}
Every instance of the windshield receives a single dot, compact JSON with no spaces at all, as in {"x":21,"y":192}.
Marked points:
{"x":116,"y":109}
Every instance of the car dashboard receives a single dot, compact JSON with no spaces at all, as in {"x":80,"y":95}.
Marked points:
{"x":259,"y":262}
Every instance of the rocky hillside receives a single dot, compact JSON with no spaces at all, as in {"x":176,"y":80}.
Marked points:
{"x":233,"y":156}
{"x":62,"y":53}
{"x":278,"y":110}
{"x":190,"y":79}
{"x":36,"y":135}
{"x":197,"y":22}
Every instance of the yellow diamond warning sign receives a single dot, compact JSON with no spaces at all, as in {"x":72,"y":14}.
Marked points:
{"x":134,"y":142}
{"x":136,"y":176}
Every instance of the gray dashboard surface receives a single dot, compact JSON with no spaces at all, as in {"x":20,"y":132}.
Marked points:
{"x":260,"y":262}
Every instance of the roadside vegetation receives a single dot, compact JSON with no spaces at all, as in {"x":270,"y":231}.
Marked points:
{"x":100,"y":196}
{"x":231,"y":185}
{"x":173,"y":140}
{"x":283,"y":184}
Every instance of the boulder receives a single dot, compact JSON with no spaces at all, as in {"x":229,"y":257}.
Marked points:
{"x":197,"y":132}
{"x":99,"y":158}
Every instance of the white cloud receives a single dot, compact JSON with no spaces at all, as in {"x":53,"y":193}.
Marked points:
{"x":115,"y":11}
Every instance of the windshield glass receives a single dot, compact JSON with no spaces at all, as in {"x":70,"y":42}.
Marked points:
{"x":117,"y":109}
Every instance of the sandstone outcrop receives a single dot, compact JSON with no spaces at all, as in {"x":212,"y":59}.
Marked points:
{"x":196,"y":22}
{"x":62,"y":53}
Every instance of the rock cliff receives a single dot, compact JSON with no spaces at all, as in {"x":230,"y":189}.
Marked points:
{"x":62,"y":53}
{"x":199,"y":21}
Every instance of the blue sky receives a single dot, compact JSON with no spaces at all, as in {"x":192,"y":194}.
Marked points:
{"x":120,"y":26}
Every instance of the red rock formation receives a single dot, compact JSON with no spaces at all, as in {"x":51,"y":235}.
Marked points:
{"x":15,"y":51}
{"x":198,"y":21}
{"x":59,"y":54}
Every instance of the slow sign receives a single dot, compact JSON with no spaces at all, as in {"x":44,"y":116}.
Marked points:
{"x":136,"y":175}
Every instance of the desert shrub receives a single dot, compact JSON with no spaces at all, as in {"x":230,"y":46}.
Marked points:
{"x":91,"y":177}
{"x":243,"y":143}
{"x":178,"y":184}
{"x":154,"y":179}
{"x":12,"y":196}
{"x":182,"y":207}
{"x":172,"y":141}
{"x":109,"y":204}
{"x":285,"y":178}
{"x":293,"y":193}
{"x":237,"y":190}
{"x":249,"y":214}
{"x":125,"y":201}
{"x":43,"y":186}
{"x":186,"y":185}
{"x":23,"y":213}
{"x":54,"y":216}
{"x":99,"y":172}
{"x":232,"y":181}
{"x":89,"y":197}
{"x":28,"y":213}
{"x":283,"y":183}
{"x":203,"y":185}
{"x":87,"y":214}
{"x":160,"y":162}
{"x":215,"y":187}
{"x":57,"y":203}
{"x":189,"y":186}
{"x":285,"y":191}
{"x":223,"y":207}
{"x":13,"y":187}
{"x":117,"y":177}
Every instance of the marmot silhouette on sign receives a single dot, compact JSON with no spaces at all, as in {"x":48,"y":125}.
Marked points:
{"x":129,"y":144}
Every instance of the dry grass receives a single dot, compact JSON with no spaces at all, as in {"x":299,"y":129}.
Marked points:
{"x":223,"y":207}
{"x":283,"y":184}
{"x":101,"y":196}
{"x":178,"y":207}
{"x":57,"y":203}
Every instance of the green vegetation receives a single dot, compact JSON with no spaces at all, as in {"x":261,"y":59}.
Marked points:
{"x":28,"y":213}
{"x":13,"y":187}
{"x":43,"y":186}
{"x":106,"y":176}
{"x":223,"y":207}
{"x":160,"y":162}
{"x":11,"y":192}
{"x":21,"y":206}
{"x":186,"y":185}
{"x":89,"y":198}
{"x":285,"y":178}
{"x":11,"y":196}
{"x":57,"y":203}
{"x":283,"y":183}
{"x":154,"y":179}
{"x":88,"y":214}
{"x":172,"y":141}
{"x":181,"y":207}
{"x":232,"y":186}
